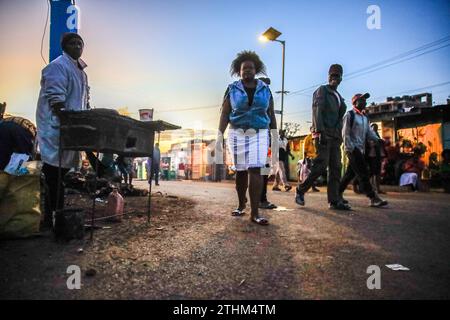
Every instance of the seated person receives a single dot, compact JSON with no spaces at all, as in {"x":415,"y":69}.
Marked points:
{"x":85,"y":168}
{"x":412,"y":171}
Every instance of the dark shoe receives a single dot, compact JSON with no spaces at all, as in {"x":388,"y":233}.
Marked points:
{"x":267,"y":205}
{"x":300,"y":198}
{"x":314,"y":189}
{"x":271,"y":206}
{"x":378,"y":202}
{"x":276,"y":189}
{"x":339,"y":206}
{"x":287,"y":188}
{"x":344,"y":201}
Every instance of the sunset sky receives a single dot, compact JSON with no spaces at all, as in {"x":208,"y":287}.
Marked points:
{"x":175,"y":54}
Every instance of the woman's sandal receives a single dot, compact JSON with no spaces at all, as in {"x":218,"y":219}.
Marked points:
{"x":237,"y":213}
{"x":261,"y":221}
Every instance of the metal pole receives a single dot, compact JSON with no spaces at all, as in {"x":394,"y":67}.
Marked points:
{"x":93,"y":202}
{"x":283,"y":43}
{"x":149,"y":204}
{"x":58,"y":212}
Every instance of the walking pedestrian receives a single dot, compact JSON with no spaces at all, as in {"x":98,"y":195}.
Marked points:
{"x":248,"y":108}
{"x":328,"y":110}
{"x":355,"y":133}
{"x":283,"y":154}
{"x":375,"y":156}
{"x":309,"y":154}
{"x":155,"y":165}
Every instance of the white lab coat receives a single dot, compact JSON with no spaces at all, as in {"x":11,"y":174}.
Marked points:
{"x":62,"y":81}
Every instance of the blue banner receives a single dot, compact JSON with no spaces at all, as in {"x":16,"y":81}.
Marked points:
{"x":64,"y":17}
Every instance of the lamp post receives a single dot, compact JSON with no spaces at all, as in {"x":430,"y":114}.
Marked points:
{"x":272,"y":34}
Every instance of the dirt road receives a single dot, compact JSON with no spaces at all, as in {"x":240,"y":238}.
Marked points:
{"x":194,"y":249}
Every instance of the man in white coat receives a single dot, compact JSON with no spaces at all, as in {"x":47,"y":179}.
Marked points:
{"x":64,"y":85}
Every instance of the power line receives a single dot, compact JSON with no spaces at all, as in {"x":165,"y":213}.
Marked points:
{"x":397,"y":62}
{"x":299,"y":92}
{"x":423,"y":47}
{"x":381,"y":67}
{"x":45,"y":28}
{"x":382,"y":64}
{"x":276,"y":99}
{"x":407,"y":53}
{"x":363,"y":71}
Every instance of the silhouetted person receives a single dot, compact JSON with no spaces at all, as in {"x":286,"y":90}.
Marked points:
{"x":356,"y":133}
{"x":328,"y":109}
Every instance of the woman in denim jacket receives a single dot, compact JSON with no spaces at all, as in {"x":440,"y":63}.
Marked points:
{"x":248,"y":109}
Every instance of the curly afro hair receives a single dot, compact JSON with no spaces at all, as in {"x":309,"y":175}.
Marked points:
{"x":245,"y":55}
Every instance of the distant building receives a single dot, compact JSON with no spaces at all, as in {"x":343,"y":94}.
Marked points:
{"x":413,"y":118}
{"x":194,"y":159}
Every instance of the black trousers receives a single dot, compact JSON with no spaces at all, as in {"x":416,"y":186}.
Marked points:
{"x":264,"y":189}
{"x":357,"y":167}
{"x":309,"y":165}
{"x":155,"y":174}
{"x":328,"y":155}
{"x":52,"y":202}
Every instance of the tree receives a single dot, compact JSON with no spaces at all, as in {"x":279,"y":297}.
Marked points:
{"x":292,"y":129}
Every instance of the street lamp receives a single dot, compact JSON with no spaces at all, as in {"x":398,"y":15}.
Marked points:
{"x":272,"y":34}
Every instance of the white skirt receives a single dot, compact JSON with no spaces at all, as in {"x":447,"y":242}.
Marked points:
{"x":248,"y":149}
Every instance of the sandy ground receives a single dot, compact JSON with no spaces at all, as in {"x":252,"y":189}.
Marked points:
{"x":194,"y":249}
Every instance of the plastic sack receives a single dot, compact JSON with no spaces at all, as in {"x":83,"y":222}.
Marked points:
{"x":20,"y":211}
{"x":115,"y":206}
{"x":16,"y":164}
{"x":303,"y":170}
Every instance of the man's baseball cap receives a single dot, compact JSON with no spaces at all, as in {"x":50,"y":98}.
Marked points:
{"x":358,"y":96}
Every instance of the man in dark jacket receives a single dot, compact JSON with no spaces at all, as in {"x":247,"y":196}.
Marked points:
{"x":328,"y":110}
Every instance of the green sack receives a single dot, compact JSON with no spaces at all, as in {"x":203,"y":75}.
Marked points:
{"x":20,"y":210}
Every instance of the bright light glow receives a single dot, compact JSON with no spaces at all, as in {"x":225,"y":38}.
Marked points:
{"x":263,"y":38}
